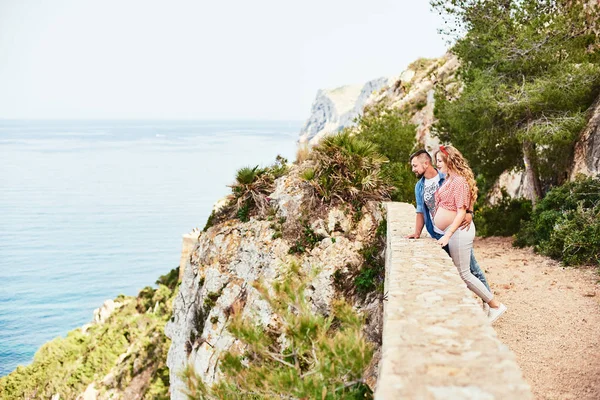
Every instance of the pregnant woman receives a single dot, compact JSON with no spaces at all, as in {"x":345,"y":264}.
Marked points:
{"x":452,"y":200}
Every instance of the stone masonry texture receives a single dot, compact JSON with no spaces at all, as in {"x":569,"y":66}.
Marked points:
{"x":437,"y":341}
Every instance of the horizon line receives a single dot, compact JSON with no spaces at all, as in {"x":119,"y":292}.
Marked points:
{"x":241,"y":119}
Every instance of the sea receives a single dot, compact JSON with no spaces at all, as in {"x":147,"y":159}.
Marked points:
{"x":93,"y":209}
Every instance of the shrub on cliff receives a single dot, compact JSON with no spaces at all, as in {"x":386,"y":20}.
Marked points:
{"x":371,"y":276}
{"x":348,"y":169}
{"x":250,"y":190}
{"x":390,"y":130}
{"x":565,"y":225}
{"x":304,"y":355}
{"x":130,"y":345}
{"x":249,"y":193}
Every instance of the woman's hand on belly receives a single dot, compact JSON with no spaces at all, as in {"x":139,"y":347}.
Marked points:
{"x":450,"y":221}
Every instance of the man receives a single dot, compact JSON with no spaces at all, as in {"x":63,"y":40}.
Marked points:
{"x":429,"y":181}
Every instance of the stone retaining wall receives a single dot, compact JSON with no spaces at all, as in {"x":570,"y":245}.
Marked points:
{"x":437,"y":342}
{"x":189,"y":242}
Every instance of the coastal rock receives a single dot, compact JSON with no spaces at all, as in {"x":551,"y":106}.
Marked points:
{"x":230,"y":257}
{"x":334,"y":109}
{"x":288,"y":194}
{"x":412,"y":91}
{"x":514,"y":184}
{"x":189,"y":240}
{"x":587,"y":150}
{"x":101,"y":314}
{"x":337,"y":220}
{"x":85,"y":328}
{"x":90,"y":393}
{"x":226,"y":261}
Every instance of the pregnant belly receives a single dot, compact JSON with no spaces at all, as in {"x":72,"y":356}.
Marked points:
{"x":443,"y":218}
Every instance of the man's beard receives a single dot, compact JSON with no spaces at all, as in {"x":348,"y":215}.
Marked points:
{"x":419,"y":176}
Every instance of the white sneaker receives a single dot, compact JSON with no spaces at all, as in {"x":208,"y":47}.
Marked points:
{"x":495,"y":313}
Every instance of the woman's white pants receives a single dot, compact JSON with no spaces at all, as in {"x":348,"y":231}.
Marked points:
{"x":460,"y":246}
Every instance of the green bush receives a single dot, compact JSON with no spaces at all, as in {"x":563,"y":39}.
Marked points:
{"x":504,"y":218}
{"x":565,"y":225}
{"x":249,"y":193}
{"x":66,"y":365}
{"x":212,"y":219}
{"x":371,"y":275}
{"x":394,"y":136}
{"x":170,"y":280}
{"x":348,"y":169}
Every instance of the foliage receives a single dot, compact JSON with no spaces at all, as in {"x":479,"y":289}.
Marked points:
{"x":249,"y":193}
{"x":250,"y":190}
{"x":305,"y":355}
{"x":170,"y":280}
{"x":194,"y":386}
{"x":212,"y":219}
{"x":530,"y":70}
{"x":371,"y":275}
{"x":394,"y":136}
{"x":66,"y":365}
{"x":302,"y":153}
{"x":308,"y":174}
{"x":348,"y":168}
{"x":503,"y":218}
{"x":277,"y":226}
{"x":253,"y":185}
{"x":308,"y":240}
{"x":243,"y":212}
{"x":280,"y":167}
{"x":565,"y":225}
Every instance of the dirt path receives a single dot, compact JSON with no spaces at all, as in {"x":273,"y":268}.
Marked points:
{"x":553,"y":319}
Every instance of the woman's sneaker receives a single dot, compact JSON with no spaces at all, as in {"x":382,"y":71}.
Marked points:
{"x":495,"y":313}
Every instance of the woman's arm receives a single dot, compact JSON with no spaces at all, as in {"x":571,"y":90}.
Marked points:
{"x":460,"y":215}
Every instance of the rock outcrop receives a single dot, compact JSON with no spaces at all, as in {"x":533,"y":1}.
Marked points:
{"x":336,"y":109}
{"x":411,"y":91}
{"x":229,"y":257}
{"x":101,"y":314}
{"x":587,"y":150}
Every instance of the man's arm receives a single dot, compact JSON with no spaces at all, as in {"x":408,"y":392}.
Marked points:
{"x":419,"y":224}
{"x":466,"y":224}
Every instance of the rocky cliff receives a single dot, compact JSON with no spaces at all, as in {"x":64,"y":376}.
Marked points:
{"x":411,"y":91}
{"x":229,"y":258}
{"x":587,"y":150}
{"x":335,"y":109}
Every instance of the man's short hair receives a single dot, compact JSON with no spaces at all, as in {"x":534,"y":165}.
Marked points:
{"x":421,"y":154}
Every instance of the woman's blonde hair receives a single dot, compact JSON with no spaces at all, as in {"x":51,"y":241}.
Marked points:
{"x":457,"y":164}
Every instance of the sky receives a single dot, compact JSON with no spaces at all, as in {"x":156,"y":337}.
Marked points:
{"x":184,"y":59}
